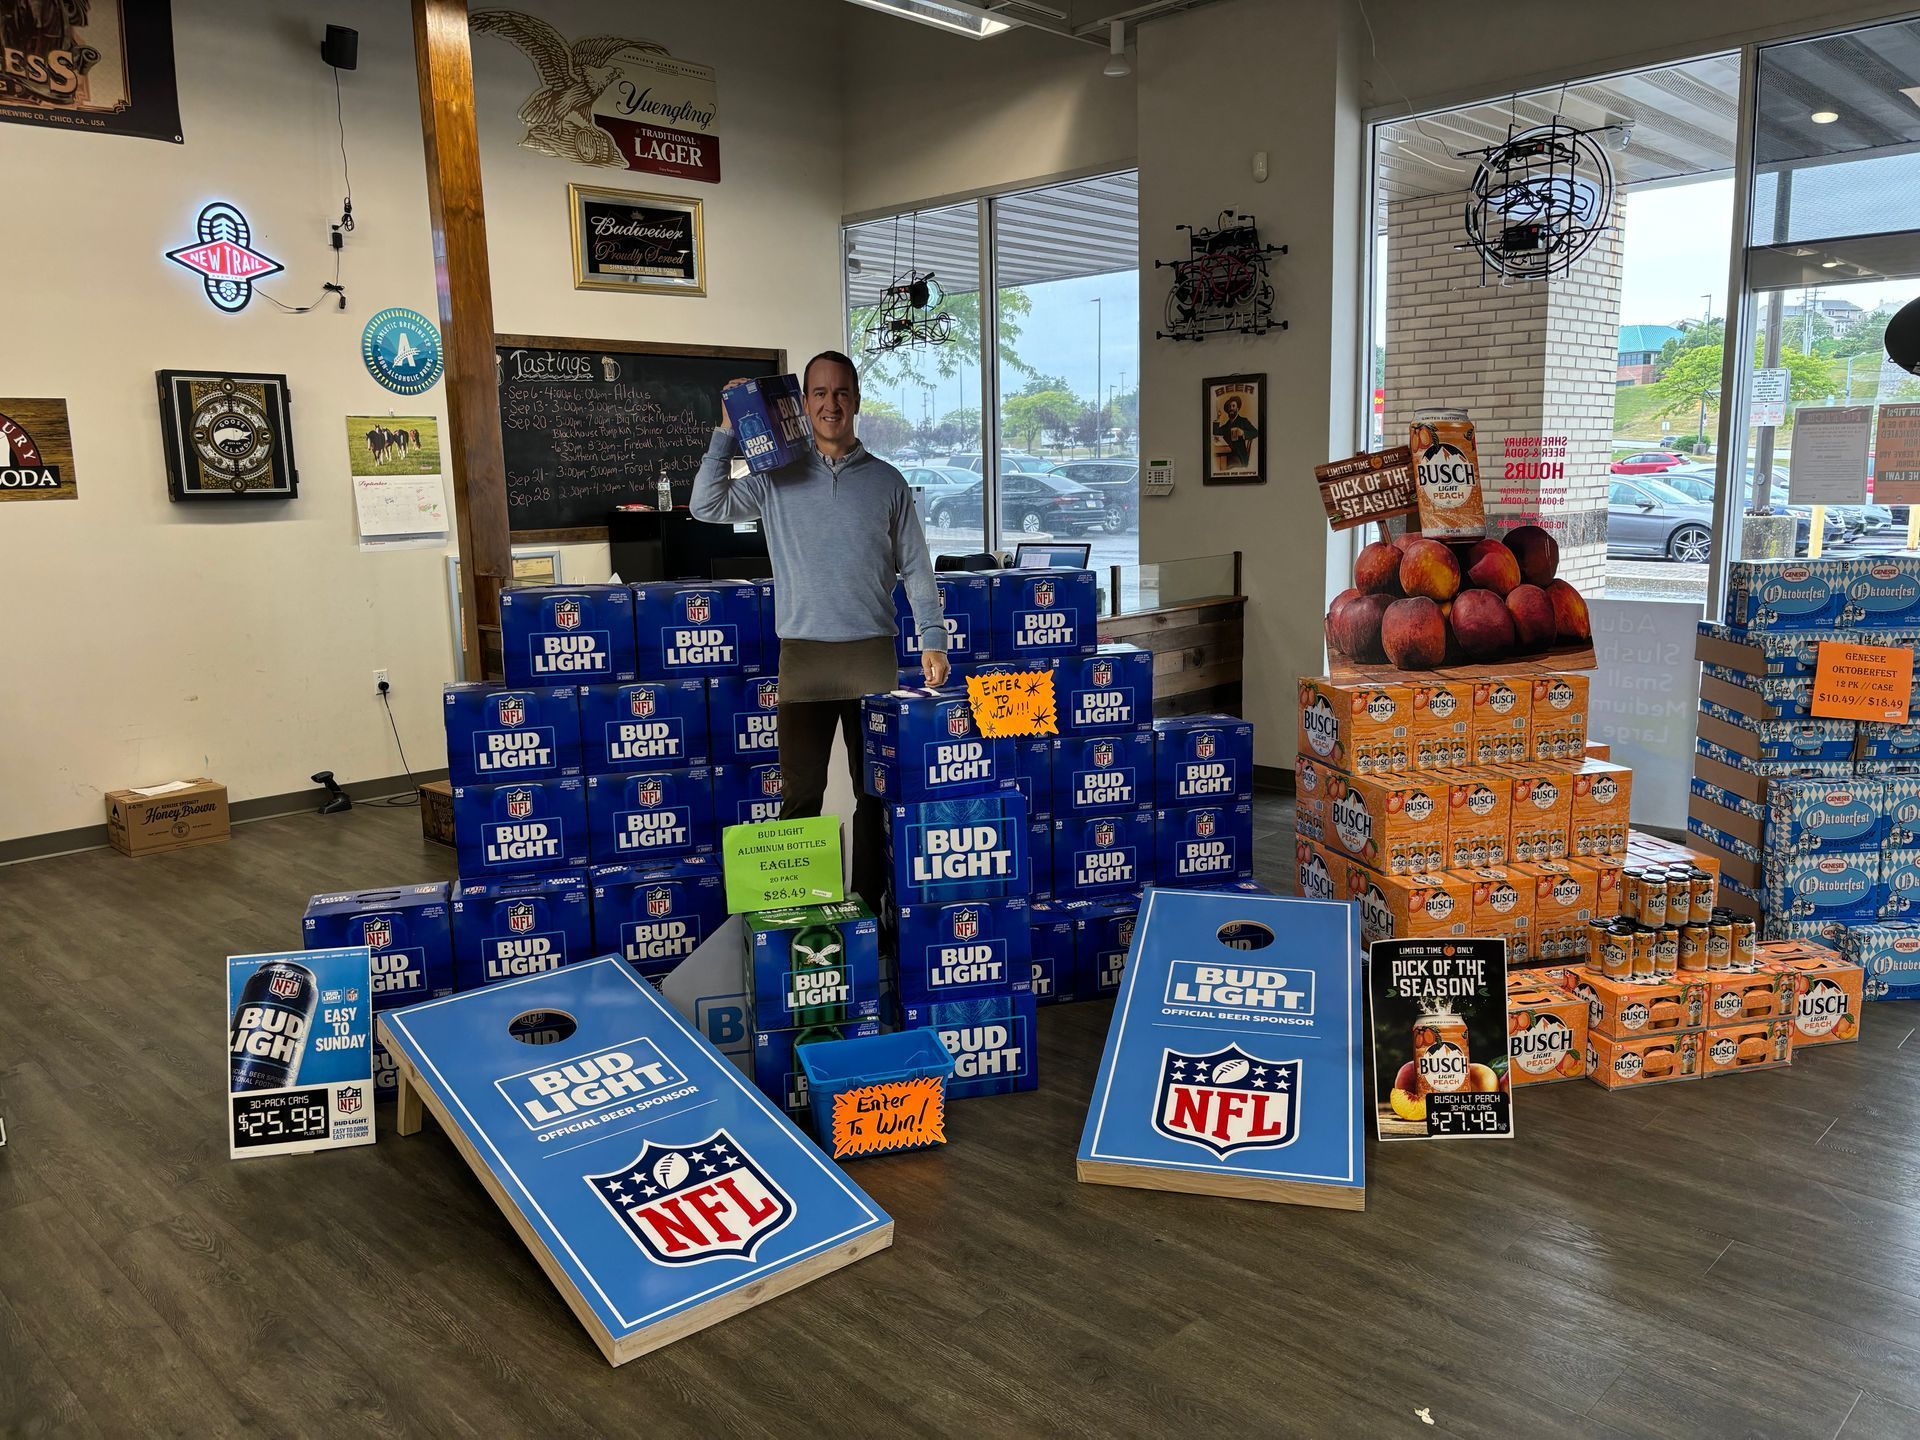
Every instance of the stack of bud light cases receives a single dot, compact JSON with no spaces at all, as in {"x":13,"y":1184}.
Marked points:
{"x":1815,"y":822}
{"x":1015,"y":865}
{"x":589,"y":790}
{"x":1461,"y":807}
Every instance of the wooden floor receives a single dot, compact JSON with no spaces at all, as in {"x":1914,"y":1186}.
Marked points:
{"x":1738,"y":1256}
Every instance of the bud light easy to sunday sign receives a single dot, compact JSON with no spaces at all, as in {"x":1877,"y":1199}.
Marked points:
{"x":1233,"y":1062}
{"x":299,"y":1051}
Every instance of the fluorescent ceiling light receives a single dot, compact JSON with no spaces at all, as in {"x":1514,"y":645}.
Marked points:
{"x":946,"y":15}
{"x":1824,"y":117}
{"x":1912,"y":92}
{"x":1828,"y":264}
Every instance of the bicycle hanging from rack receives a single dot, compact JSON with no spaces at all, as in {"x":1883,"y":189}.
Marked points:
{"x":1223,"y":285}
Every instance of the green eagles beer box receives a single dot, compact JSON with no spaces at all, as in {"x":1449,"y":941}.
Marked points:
{"x":813,"y":965}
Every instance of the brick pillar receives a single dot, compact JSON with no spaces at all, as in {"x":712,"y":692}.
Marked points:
{"x":1525,"y":360}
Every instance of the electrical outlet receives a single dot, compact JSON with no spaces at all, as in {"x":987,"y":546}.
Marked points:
{"x":379,"y":680}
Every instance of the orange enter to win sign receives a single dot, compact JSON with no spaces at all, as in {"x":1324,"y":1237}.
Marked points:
{"x":892,"y":1115}
{"x":1863,"y":682}
{"x":1019,"y":702}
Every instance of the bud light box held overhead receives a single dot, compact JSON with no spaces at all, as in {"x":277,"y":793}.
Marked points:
{"x":697,"y":628}
{"x":769,"y":420}
{"x":1038,"y":614}
{"x":652,"y":725}
{"x":504,"y":930}
{"x":574,"y":634}
{"x":526,"y":733}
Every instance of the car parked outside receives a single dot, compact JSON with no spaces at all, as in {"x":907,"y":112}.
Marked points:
{"x":1029,"y":505}
{"x":1117,"y":482}
{"x":1649,"y":462}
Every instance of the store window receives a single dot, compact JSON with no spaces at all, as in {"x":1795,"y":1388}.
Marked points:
{"x":1062,"y":383}
{"x":1834,"y":253}
{"x":1594,"y":393}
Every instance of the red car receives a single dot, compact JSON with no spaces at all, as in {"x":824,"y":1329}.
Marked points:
{"x":1649,"y":462}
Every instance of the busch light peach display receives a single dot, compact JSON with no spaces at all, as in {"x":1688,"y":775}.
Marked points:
{"x":509,"y":929}
{"x":1446,"y":474}
{"x":567,"y":634}
{"x":519,"y":828}
{"x":650,"y":725}
{"x":495,"y":733}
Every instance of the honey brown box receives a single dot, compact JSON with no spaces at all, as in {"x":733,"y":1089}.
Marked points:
{"x":194,"y":814}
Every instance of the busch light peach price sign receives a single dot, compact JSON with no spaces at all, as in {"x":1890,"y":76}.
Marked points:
{"x":1438,"y":1013}
{"x":1233,"y":1061}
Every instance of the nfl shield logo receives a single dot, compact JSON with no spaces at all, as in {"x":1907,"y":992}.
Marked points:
{"x":1043,"y":593}
{"x":699,"y":609}
{"x":769,"y":782}
{"x":1203,"y":747}
{"x":284,"y":986}
{"x":348,"y":1099}
{"x":519,"y":804}
{"x":958,"y":722}
{"x":686,"y":1204}
{"x":378,"y":933}
{"x":513,"y":709}
{"x":648,"y":793}
{"x":1103,"y":834}
{"x":1203,"y":824}
{"x":520,"y":916}
{"x":1103,"y":754}
{"x":1102,"y":674}
{"x":659,"y":901}
{"x":1228,"y":1100}
{"x":767,"y":692}
{"x":966,"y":924}
{"x":1124,"y":929}
{"x":640,"y":703}
{"x":566,"y":614}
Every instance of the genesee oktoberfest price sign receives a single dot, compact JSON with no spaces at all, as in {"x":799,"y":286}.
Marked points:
{"x":1233,"y":1063}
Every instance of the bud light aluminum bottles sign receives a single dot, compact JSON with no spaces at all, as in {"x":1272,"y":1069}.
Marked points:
{"x":660,"y":1191}
{"x":300,"y":1051}
{"x":1233,"y":1062}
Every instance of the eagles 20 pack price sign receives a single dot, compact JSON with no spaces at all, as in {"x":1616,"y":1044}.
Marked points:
{"x":1232,"y":1065}
{"x":300,"y":1051}
{"x":659,"y":1190}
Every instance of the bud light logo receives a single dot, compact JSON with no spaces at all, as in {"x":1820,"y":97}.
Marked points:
{"x":1228,"y":1100}
{"x":877,"y":722}
{"x":520,"y":916}
{"x":957,"y":721}
{"x":648,"y":793}
{"x":966,"y":924}
{"x":699,"y":609}
{"x":1043,"y":593}
{"x":767,"y":694}
{"x":659,"y":902}
{"x":1203,"y":824}
{"x":513,"y":710}
{"x":519,"y":804}
{"x":1102,"y":674}
{"x":1103,"y":834}
{"x":640,"y":703}
{"x":566,"y":614}
{"x":378,"y":934}
{"x":770,"y":782}
{"x":284,"y":987}
{"x":684,"y":1204}
{"x":1204,"y":745}
{"x":1103,"y":754}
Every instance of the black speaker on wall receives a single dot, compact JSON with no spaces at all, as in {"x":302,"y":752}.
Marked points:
{"x":341,"y":48}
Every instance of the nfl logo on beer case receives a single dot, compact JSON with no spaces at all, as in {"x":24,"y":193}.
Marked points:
{"x":513,"y":709}
{"x":699,"y":609}
{"x":687,"y":1204}
{"x":640,"y":702}
{"x":520,"y":917}
{"x":566,"y":614}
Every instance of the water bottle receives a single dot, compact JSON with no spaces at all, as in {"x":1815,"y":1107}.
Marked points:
{"x":663,"y":491}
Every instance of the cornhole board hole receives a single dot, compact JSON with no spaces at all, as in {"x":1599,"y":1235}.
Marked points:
{"x":1233,"y":1064}
{"x":657,"y":1188}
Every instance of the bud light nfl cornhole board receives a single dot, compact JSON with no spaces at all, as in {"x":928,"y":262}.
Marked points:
{"x":299,"y":1051}
{"x":660,"y":1192}
{"x":1233,"y":1061}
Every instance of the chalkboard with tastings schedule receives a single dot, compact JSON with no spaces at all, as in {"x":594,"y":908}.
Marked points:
{"x":585,"y":425}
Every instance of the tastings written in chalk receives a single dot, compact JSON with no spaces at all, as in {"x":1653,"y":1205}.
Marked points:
{"x":1862,"y":682}
{"x":1017,"y":703}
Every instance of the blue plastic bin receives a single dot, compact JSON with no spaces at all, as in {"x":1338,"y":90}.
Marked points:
{"x":834,"y":1067}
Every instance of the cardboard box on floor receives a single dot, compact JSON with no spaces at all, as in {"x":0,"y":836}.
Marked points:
{"x":195,"y":814}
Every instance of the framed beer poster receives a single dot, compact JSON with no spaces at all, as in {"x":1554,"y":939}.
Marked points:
{"x":649,"y":244}
{"x":1235,"y":408}
{"x":299,"y":1051}
{"x":228,"y":437}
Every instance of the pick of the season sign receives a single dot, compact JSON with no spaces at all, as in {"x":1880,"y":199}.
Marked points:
{"x":1369,"y":486}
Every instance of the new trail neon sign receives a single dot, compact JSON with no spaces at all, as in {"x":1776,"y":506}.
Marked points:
{"x":224,"y":257}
